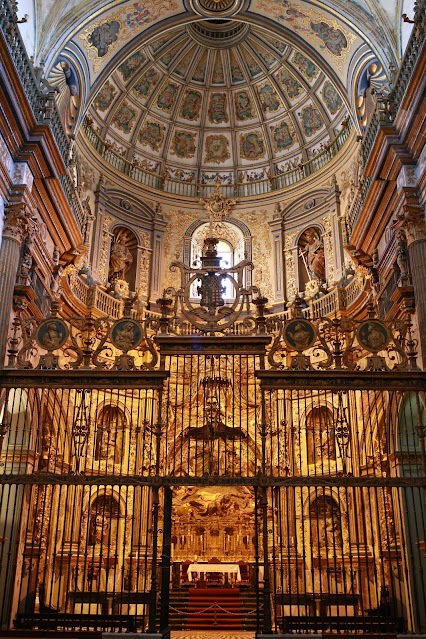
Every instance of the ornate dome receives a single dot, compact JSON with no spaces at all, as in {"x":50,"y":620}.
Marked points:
{"x":218,"y":100}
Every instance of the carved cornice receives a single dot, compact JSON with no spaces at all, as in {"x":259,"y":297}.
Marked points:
{"x":341,"y":379}
{"x":80,"y":379}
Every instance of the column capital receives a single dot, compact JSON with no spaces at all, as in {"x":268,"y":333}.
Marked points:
{"x":16,"y":221}
{"x":413,"y":219}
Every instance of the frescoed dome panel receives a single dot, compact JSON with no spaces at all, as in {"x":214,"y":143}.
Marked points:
{"x":188,"y":105}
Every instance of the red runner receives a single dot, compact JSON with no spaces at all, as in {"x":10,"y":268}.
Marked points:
{"x":211,"y":608}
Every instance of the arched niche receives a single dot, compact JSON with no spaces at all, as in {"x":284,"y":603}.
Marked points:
{"x":109,"y":435}
{"x":320,"y":438}
{"x":311,"y":258}
{"x":123,"y":257}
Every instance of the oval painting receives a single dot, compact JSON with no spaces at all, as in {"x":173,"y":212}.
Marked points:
{"x":126,"y":334}
{"x":52,"y":334}
{"x":373,"y":335}
{"x":299,"y":334}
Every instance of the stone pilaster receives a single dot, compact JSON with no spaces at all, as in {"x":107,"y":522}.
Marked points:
{"x":14,"y":231}
{"x":414,"y":226}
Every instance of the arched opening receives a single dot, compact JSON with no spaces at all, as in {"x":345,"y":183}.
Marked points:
{"x":321,"y":444}
{"x":109,"y":436}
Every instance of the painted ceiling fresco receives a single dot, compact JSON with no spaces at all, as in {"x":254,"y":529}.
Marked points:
{"x":259,"y":103}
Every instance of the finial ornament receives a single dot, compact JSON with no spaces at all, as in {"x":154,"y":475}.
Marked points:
{"x":217,"y":205}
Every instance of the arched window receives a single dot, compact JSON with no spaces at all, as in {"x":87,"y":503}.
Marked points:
{"x":320,"y":438}
{"x":230,"y":249}
{"x":109,"y":438}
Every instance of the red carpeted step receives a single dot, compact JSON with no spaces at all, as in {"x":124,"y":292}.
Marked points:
{"x":211,"y":608}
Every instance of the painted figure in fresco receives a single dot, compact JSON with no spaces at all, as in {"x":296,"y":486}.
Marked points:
{"x":152,"y":134}
{"x":217,"y":149}
{"x":236,"y":73}
{"x":105,"y":97}
{"x":315,"y":256}
{"x":131,"y":64}
{"x":124,"y":118}
{"x":311,"y":120}
{"x":331,"y":97}
{"x":243,"y":105}
{"x":252,"y":146}
{"x":167,"y":97}
{"x":120,"y":260}
{"x":184,"y":144}
{"x":334,"y":39}
{"x":218,"y":77}
{"x":191,"y":105}
{"x":305,"y":65}
{"x":103,"y":36}
{"x":254,"y":68}
{"x":292,"y":86}
{"x":269,"y":99}
{"x":198,"y":75}
{"x":217,"y":108}
{"x":147,"y":82}
{"x":282,"y":136}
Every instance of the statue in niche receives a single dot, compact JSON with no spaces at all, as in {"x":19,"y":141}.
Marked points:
{"x":120,"y":260}
{"x":321,"y":443}
{"x":325,"y":517}
{"x":315,"y":255}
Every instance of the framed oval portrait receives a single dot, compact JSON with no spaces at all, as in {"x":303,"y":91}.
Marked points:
{"x":373,"y":335}
{"x":52,"y":334}
{"x":126,"y":334}
{"x":299,"y":334}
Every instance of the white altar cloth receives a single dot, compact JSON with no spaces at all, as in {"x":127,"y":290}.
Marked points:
{"x":226,"y":569}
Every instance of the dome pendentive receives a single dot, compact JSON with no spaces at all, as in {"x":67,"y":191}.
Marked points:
{"x":218,"y":100}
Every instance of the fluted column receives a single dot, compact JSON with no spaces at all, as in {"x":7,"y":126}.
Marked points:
{"x":14,"y":231}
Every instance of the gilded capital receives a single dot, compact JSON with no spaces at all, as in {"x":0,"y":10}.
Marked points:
{"x":16,"y":218}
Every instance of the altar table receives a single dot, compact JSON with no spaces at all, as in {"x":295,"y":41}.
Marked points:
{"x":225,"y":569}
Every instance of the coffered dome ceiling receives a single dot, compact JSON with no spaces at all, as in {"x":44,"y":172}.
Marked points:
{"x":218,"y":99}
